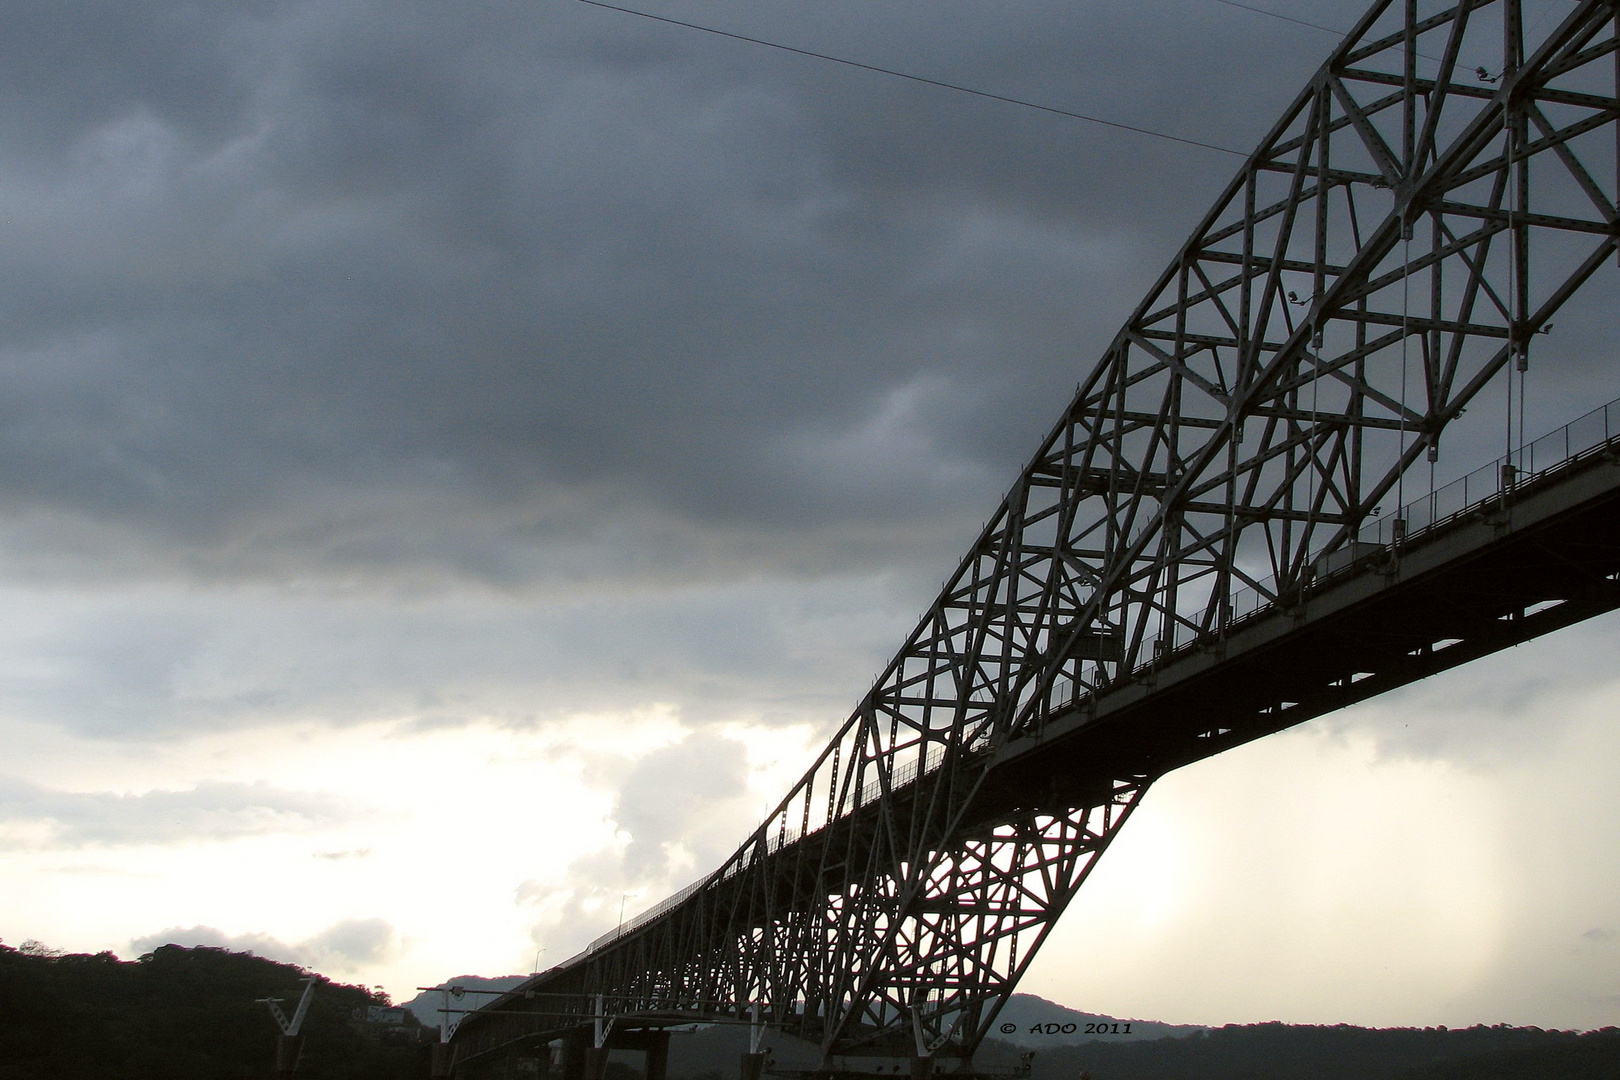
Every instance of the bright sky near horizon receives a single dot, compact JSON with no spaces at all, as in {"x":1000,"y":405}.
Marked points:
{"x":458,"y":463}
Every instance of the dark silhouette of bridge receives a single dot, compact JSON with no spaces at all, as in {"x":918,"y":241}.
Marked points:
{"x":1237,"y":524}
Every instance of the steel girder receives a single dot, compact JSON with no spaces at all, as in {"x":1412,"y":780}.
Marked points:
{"x":1389,"y":252}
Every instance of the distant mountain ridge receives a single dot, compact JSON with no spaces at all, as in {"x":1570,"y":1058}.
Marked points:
{"x":193,"y":1014}
{"x":1304,"y":1052}
{"x":426,"y":1005}
{"x":1027,"y":1021}
{"x":1034,"y":1023}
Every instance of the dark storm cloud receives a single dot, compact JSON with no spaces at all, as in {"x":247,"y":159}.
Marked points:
{"x":292,"y":285}
{"x":209,"y":811}
{"x":145,"y":666}
{"x":382,"y":299}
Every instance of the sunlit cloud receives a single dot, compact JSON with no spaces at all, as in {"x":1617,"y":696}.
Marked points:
{"x":206,"y":812}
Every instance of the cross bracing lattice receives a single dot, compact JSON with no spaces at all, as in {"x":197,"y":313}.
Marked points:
{"x":1392,"y":250}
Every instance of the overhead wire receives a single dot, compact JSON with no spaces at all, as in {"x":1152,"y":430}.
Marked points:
{"x":923,"y":79}
{"x":1279,"y":15}
{"x":1300,"y":22}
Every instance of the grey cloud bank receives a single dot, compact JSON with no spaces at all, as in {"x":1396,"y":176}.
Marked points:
{"x":344,"y":946}
{"x":652,"y":333}
{"x":117,"y":663}
{"x":353,"y":286}
{"x":207,"y":812}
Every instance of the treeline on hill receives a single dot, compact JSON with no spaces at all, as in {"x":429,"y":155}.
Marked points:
{"x":1289,"y":1052}
{"x":190,"y":1014}
{"x":1255,"y":1052}
{"x":187,"y":1014}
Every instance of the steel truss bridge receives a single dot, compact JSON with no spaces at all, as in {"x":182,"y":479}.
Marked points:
{"x":1236,"y":525}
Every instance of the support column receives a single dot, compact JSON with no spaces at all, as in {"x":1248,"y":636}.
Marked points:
{"x":922,"y":1068}
{"x":657,"y":1055}
{"x":753,"y":1065}
{"x":596,"y":1059}
{"x":288,"y":1048}
{"x":573,"y":1056}
{"x":443,"y":1055}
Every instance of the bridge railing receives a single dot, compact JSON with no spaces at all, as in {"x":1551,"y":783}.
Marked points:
{"x":645,"y":917}
{"x":1578,"y":438}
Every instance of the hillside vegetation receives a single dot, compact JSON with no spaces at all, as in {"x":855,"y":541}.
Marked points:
{"x":190,"y":1014}
{"x":1260,"y":1052}
{"x":184,"y":1014}
{"x":1297,"y":1052}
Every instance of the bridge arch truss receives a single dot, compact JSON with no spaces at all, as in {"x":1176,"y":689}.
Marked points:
{"x":1238,"y":484}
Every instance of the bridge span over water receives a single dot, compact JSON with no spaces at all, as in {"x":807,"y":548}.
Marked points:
{"x":1263,"y":503}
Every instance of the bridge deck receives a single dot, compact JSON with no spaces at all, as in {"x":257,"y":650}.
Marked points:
{"x":1503,"y":572}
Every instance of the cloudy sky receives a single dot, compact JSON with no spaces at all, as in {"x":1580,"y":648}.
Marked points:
{"x":458,"y":461}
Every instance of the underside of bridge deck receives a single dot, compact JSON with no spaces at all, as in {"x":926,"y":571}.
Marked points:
{"x":1541,"y":558}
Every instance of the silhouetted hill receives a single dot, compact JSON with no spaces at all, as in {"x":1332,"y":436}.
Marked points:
{"x":1288,"y":1052}
{"x":184,"y":1014}
{"x":1253,"y":1052}
{"x":1594,"y":1056}
{"x":190,"y":1014}
{"x":1039,"y":1024}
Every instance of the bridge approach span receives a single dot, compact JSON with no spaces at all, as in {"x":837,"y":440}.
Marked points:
{"x":1199,"y":553}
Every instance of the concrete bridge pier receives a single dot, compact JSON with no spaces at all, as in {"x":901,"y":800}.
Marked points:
{"x":572,"y":1057}
{"x":288,"y":1050}
{"x":581,"y":1059}
{"x":653,"y":1043}
{"x":657,"y":1051}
